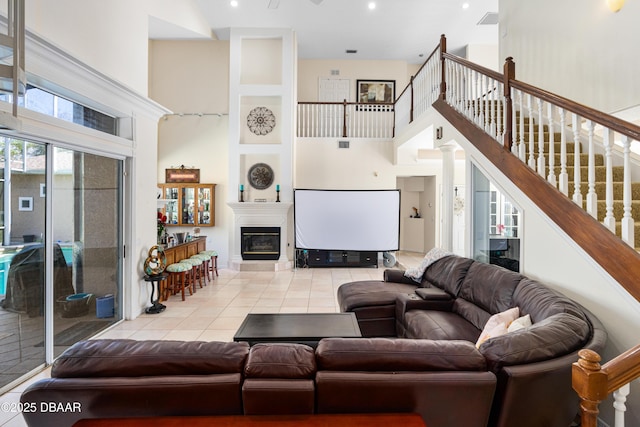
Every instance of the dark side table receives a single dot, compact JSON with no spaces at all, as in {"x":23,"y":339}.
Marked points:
{"x":155,"y":280}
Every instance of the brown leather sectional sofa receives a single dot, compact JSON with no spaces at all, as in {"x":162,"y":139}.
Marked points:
{"x":454,"y":300}
{"x":447,"y":383}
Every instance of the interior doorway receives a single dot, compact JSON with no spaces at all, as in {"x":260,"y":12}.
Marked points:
{"x":418,"y":213}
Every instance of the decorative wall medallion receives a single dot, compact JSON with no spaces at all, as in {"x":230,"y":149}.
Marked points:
{"x":260,"y":176}
{"x":261,"y":121}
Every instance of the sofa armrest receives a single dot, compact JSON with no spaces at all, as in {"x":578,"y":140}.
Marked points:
{"x":392,"y":275}
{"x":408,"y":302}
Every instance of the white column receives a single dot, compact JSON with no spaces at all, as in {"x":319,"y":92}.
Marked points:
{"x":448,"y":169}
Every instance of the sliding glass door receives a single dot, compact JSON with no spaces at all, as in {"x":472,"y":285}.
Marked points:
{"x":61,"y":255}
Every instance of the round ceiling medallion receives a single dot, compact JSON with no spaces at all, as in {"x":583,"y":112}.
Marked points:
{"x":261,"y":120}
{"x":260,"y":176}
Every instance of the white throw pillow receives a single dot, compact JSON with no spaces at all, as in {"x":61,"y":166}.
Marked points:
{"x":497,"y":324}
{"x":432,"y":256}
{"x":520,"y":323}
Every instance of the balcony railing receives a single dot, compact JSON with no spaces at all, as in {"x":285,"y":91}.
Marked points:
{"x":345,"y":119}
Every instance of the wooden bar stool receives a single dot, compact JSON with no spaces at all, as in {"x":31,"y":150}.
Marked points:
{"x":204,"y":266}
{"x":213,"y":267}
{"x":195,"y":275}
{"x":178,"y":279}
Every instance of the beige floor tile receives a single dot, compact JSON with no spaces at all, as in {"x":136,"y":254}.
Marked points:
{"x":184,"y":335}
{"x":227,"y":323}
{"x":225,"y":335}
{"x":293,"y":309}
{"x":147,"y":334}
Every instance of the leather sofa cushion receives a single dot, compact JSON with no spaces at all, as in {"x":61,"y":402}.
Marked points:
{"x":541,"y":302}
{"x":397,"y":354}
{"x":131,"y":358}
{"x":439,"y":325}
{"x":490,"y":287}
{"x":552,"y":337}
{"x":448,"y":273}
{"x":368,"y":293}
{"x":280,"y":360}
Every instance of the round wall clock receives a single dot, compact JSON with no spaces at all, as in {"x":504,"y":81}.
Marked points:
{"x":260,"y":176}
{"x":261,"y":121}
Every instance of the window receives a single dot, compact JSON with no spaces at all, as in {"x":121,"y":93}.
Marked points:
{"x":44,"y":102}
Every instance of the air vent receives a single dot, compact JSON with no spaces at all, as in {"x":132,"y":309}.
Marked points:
{"x":343,"y":144}
{"x":335,"y":72}
{"x":351,"y":51}
{"x":490,"y":18}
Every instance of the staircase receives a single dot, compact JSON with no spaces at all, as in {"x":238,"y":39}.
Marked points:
{"x":617,"y":173}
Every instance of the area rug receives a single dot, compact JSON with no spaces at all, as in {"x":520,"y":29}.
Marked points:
{"x":77,"y":332}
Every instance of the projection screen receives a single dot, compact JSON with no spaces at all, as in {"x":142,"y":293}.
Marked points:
{"x":354,"y":220}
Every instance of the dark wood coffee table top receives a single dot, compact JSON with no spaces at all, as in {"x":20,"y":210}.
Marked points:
{"x":305,"y":328}
{"x":318,"y":420}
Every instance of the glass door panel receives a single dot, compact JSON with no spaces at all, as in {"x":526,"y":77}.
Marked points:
{"x":87,"y":229}
{"x":204,"y":201}
{"x":171,"y":207}
{"x":22,"y":258}
{"x":188,"y":205}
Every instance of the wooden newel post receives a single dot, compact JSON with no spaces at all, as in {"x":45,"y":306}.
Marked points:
{"x":344,"y":118}
{"x":443,"y":80}
{"x":590,"y":382}
{"x":509,"y":74}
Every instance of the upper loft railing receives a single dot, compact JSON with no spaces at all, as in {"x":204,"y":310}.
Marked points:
{"x":345,"y":119}
{"x":536,"y":138}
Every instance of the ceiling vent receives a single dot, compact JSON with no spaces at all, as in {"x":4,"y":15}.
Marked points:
{"x":351,"y":51}
{"x":490,"y":18}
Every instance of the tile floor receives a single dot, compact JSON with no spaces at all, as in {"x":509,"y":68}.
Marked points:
{"x":215,"y":312}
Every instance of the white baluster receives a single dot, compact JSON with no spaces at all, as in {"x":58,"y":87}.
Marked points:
{"x":592,"y":196}
{"x":532,"y":160}
{"x":577,"y":178}
{"x":521,"y":145}
{"x":619,"y":399}
{"x":564,"y":176}
{"x":499,"y":113}
{"x":609,"y":219}
{"x":552,"y":146}
{"x":627,"y":218}
{"x":541,"y":153}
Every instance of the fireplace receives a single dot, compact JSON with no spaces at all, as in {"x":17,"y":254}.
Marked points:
{"x":260,"y":243}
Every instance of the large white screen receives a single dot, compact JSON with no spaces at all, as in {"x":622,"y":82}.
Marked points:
{"x":347,"y":219}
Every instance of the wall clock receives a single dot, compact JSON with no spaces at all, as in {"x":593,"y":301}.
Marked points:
{"x":260,"y":176}
{"x":261,"y":121}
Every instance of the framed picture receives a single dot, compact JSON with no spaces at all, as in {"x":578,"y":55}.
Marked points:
{"x":25,"y":203}
{"x":182,"y":174}
{"x":376,"y":92}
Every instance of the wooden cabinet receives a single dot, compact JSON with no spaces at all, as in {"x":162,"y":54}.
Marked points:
{"x":189,"y":204}
{"x":185,"y":250}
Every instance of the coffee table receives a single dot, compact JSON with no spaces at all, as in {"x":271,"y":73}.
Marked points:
{"x":303,"y":328}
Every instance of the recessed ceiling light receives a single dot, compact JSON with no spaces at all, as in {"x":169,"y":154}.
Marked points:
{"x":465,"y":5}
{"x":372,"y":5}
{"x":234,"y":3}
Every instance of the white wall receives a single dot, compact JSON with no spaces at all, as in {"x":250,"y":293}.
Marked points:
{"x":201,"y":86}
{"x":576,"y":48}
{"x":310,"y":70}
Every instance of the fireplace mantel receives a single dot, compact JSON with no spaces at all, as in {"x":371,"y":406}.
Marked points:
{"x":260,"y":214}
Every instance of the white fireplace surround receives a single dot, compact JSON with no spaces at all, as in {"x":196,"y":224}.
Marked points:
{"x":259,"y":214}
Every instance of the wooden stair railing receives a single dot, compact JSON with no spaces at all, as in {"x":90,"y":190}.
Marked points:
{"x":594,"y":383}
